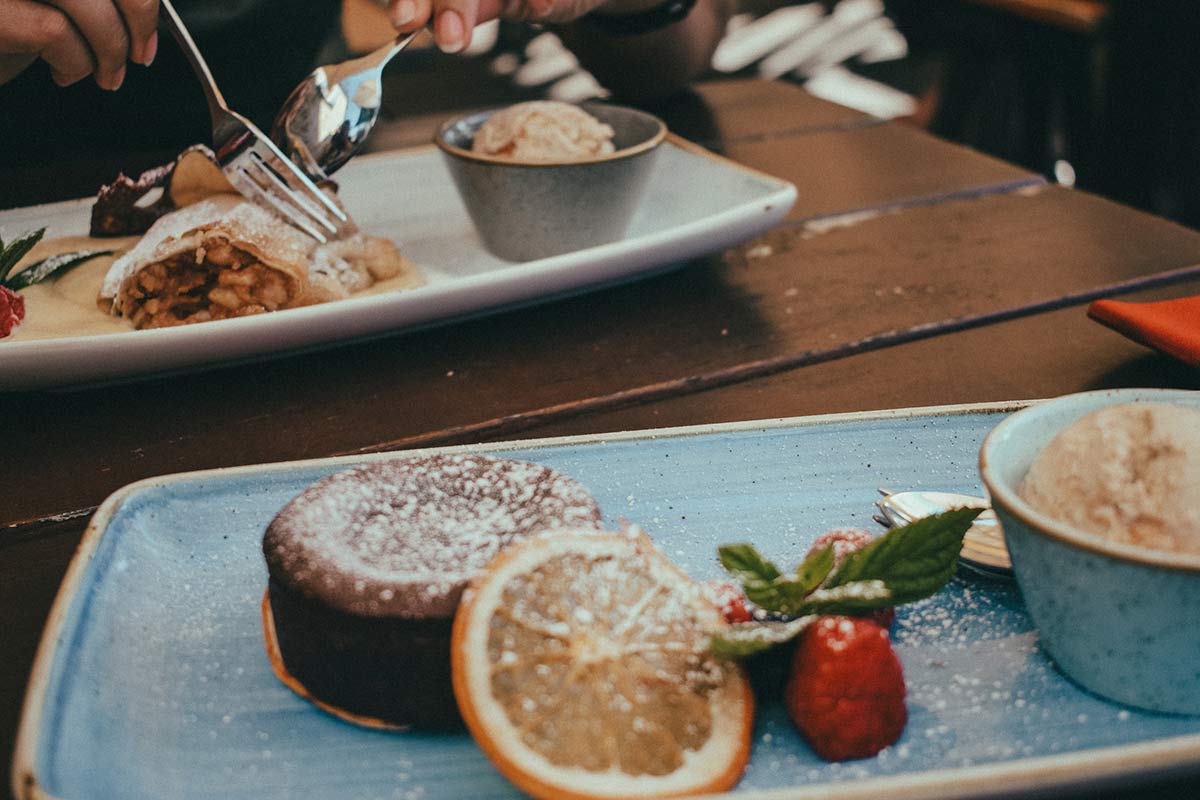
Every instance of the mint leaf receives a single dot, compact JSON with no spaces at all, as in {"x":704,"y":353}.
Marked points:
{"x":48,"y":267}
{"x":763,"y":583}
{"x":748,"y":638}
{"x":16,"y":250}
{"x":849,"y":598}
{"x":756,"y":574}
{"x":913,"y":561}
{"x":816,"y":568}
{"x":744,"y":561}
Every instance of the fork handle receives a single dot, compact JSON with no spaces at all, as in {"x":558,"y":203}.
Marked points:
{"x":216,"y":101}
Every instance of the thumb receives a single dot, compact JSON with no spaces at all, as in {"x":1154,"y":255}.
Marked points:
{"x":490,"y":9}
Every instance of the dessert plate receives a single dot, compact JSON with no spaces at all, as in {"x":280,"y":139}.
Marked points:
{"x":151,"y":679}
{"x":696,"y":203}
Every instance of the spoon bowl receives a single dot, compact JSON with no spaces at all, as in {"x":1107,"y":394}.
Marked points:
{"x":328,"y":116}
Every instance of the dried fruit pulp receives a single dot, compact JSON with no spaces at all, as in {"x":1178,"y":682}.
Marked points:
{"x":580,"y":664}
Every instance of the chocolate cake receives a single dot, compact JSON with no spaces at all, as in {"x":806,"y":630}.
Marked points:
{"x":366,"y":568}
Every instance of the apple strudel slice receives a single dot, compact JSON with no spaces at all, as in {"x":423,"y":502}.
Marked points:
{"x":224,"y":257}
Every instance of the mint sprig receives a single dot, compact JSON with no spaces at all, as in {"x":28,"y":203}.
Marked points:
{"x":15,"y":250}
{"x":51,"y":266}
{"x":12,"y":253}
{"x":915,"y":560}
{"x":905,"y":564}
{"x":766,"y":586}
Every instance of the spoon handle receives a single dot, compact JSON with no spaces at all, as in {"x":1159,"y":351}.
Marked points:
{"x":375,"y":60}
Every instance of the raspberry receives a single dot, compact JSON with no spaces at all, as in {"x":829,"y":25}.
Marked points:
{"x":846,"y":541}
{"x":846,"y":690}
{"x":12,"y":310}
{"x":728,"y":599}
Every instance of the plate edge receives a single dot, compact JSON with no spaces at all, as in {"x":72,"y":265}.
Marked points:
{"x":25,"y":783}
{"x":1042,"y":774}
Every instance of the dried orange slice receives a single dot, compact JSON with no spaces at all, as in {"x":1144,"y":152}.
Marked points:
{"x":580,"y":664}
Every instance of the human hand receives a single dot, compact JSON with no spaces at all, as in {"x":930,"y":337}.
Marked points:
{"x":77,"y":38}
{"x":453,"y":20}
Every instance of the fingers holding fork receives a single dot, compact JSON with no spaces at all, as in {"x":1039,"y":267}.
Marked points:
{"x":78,"y":38}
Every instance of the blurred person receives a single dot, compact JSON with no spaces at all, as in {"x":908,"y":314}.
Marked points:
{"x":143,"y":100}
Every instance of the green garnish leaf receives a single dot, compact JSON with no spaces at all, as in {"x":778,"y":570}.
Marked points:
{"x":903,"y":565}
{"x":744,"y":560}
{"x":748,"y":638}
{"x":756,"y":574}
{"x":763,"y":583}
{"x":914,"y":561}
{"x":15,"y":250}
{"x":816,"y":568}
{"x":48,"y":267}
{"x":849,"y":598}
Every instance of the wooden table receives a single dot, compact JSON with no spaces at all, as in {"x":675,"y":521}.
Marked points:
{"x":911,"y":272}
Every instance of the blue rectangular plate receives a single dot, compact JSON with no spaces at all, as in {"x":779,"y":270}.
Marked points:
{"x":151,"y":680}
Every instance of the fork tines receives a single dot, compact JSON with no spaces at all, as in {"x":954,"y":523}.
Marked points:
{"x":251,"y":162}
{"x":274,"y":181}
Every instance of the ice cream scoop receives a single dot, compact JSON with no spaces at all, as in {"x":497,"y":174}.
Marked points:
{"x":1129,"y":473}
{"x":542,"y":131}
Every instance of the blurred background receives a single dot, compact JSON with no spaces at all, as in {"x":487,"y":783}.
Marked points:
{"x":1098,"y":94}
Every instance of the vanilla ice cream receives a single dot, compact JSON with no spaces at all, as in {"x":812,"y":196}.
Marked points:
{"x":1127,"y":473}
{"x":543,"y":131}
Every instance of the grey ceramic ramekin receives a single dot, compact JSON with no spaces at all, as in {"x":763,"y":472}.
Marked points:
{"x":526,"y":211}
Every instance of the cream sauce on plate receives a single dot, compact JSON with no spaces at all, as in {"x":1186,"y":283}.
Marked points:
{"x":67,"y":305}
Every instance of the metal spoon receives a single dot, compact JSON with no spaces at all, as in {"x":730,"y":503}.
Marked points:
{"x":326,"y":119}
{"x":983,"y":548}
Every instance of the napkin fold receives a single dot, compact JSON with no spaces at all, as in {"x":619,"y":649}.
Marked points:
{"x":1172,"y":326}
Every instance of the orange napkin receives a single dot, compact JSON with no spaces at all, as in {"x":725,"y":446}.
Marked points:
{"x":1172,"y":326}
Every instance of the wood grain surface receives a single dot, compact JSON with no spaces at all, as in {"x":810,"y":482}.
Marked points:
{"x":911,"y":272}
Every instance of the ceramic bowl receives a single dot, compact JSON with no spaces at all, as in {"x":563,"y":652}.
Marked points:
{"x":525,"y":211}
{"x":1121,"y":620}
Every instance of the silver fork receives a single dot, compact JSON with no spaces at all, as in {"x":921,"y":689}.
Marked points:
{"x":252,"y":163}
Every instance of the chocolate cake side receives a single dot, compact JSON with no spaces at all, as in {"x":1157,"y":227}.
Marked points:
{"x":366,"y":568}
{"x":378,"y":670}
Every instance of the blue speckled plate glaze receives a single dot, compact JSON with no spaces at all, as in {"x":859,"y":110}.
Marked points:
{"x":152,"y":680}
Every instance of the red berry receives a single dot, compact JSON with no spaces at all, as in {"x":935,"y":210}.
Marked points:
{"x":729,"y":600}
{"x":846,"y":690}
{"x":883,"y":617}
{"x":846,"y":541}
{"x":12,"y":310}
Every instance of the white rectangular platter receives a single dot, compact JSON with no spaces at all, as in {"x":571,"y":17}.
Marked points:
{"x":696,"y":203}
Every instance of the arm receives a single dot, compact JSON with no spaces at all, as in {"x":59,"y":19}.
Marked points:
{"x":637,"y":66}
{"x":649,"y":65}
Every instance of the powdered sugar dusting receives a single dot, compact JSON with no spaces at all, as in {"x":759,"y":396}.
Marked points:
{"x":401,"y":538}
